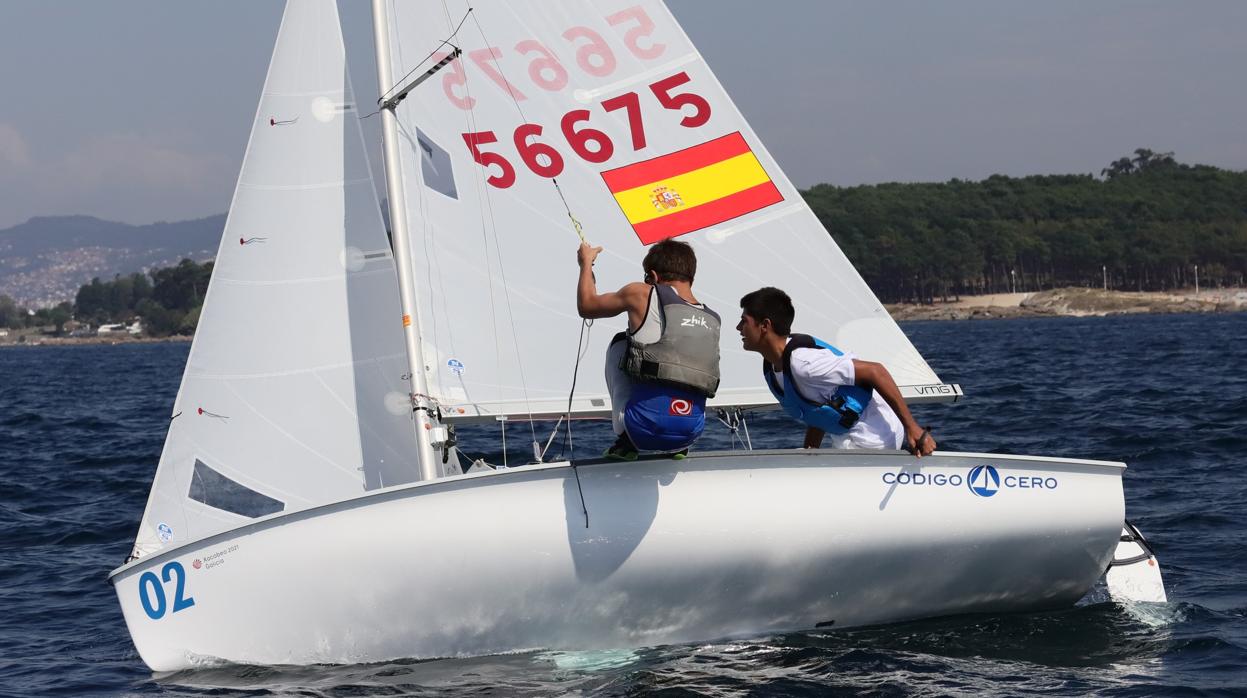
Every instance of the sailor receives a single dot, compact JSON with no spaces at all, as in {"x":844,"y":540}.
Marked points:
{"x":830,"y":390}
{"x":661,"y":370}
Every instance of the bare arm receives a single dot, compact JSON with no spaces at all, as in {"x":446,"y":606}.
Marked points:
{"x":813,"y":437}
{"x":592,"y":305}
{"x":874,"y":376}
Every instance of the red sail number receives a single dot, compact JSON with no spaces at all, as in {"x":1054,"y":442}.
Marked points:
{"x":588,"y":143}
{"x":475,"y":140}
{"x":701,"y":108}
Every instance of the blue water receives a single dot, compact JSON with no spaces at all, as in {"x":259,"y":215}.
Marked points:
{"x":81,"y":430}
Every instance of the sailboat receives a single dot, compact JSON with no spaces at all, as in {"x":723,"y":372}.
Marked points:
{"x":312,"y":504}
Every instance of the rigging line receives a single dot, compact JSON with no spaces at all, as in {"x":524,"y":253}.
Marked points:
{"x":431,"y":266}
{"x":482,"y":193}
{"x":445,"y":42}
{"x":422,"y":203}
{"x":586,"y":328}
{"x":493,"y":230}
{"x":579,"y":232}
{"x":432,"y":252}
{"x":510,"y":93}
{"x":724,"y":418}
{"x":524,"y":118}
{"x":580,"y":490}
{"x":740,"y":416}
{"x":553,"y":433}
{"x":575,"y":223}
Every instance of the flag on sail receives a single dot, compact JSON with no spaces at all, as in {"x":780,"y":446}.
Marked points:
{"x":691,"y":189}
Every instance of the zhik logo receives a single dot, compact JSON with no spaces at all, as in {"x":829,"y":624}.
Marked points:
{"x":695,"y":321}
{"x":984,"y":481}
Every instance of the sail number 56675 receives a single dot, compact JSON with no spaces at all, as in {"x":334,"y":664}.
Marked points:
{"x":590,"y":144}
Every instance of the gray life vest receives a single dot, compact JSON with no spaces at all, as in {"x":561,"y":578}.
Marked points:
{"x":686,"y":355}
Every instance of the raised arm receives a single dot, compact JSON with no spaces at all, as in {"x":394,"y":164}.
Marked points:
{"x":876,"y":377}
{"x":592,"y":305}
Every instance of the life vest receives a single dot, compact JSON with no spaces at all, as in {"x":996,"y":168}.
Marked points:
{"x":686,"y":354}
{"x":835,"y":417}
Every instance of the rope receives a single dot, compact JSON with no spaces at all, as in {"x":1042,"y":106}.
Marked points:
{"x":575,"y":223}
{"x":586,"y":328}
{"x":488,"y":212}
{"x":493,"y":225}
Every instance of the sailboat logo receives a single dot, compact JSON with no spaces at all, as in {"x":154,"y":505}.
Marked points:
{"x":984,"y":481}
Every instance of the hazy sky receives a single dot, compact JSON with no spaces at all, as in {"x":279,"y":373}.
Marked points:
{"x":139,"y":110}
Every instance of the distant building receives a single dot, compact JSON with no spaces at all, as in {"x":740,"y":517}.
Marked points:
{"x":115,"y":328}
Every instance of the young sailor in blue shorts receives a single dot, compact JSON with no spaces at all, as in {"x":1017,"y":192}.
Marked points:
{"x":831,"y":391}
{"x":661,"y":370}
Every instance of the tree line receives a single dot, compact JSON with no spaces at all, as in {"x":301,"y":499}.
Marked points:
{"x":1144,"y":225}
{"x":168,"y":301}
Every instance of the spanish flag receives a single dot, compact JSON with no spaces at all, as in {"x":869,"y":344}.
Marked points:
{"x":691,"y":189}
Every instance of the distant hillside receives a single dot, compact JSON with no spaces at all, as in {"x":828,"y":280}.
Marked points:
{"x":45,"y":260}
{"x":1149,"y":224}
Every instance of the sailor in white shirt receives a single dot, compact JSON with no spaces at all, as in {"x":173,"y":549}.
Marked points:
{"x":818,"y":374}
{"x":830,"y":390}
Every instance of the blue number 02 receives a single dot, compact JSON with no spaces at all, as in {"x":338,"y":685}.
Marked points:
{"x":152,"y":592}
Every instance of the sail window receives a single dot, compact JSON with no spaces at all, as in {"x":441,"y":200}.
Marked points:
{"x":435,"y":166}
{"x":217,"y":491}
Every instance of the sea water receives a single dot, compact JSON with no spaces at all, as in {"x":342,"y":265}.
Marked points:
{"x":81,"y":430}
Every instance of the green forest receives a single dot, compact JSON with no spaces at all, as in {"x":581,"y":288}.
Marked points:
{"x":1143,"y":225}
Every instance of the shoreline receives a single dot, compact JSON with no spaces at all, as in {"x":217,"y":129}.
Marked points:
{"x":1074,"y":302}
{"x":1060,"y":302}
{"x":35,"y":340}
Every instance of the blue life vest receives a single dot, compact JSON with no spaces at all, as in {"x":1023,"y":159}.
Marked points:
{"x":836,"y":417}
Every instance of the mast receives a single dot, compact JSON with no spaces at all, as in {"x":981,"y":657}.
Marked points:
{"x":402,"y":250}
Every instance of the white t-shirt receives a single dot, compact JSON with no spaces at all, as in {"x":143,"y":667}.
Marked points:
{"x":818,"y":373}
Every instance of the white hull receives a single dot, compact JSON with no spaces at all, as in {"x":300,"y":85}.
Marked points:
{"x":715,"y":546}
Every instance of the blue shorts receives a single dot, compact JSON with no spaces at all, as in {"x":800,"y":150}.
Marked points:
{"x":663,"y":418}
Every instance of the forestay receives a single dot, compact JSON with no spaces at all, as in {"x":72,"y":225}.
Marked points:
{"x":293,"y":393}
{"x":610,"y":99}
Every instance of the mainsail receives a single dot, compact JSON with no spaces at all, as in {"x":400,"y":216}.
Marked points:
{"x":612,"y":101}
{"x":293,"y":393}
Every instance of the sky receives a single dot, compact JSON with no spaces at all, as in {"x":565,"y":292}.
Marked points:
{"x":139,"y":110}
